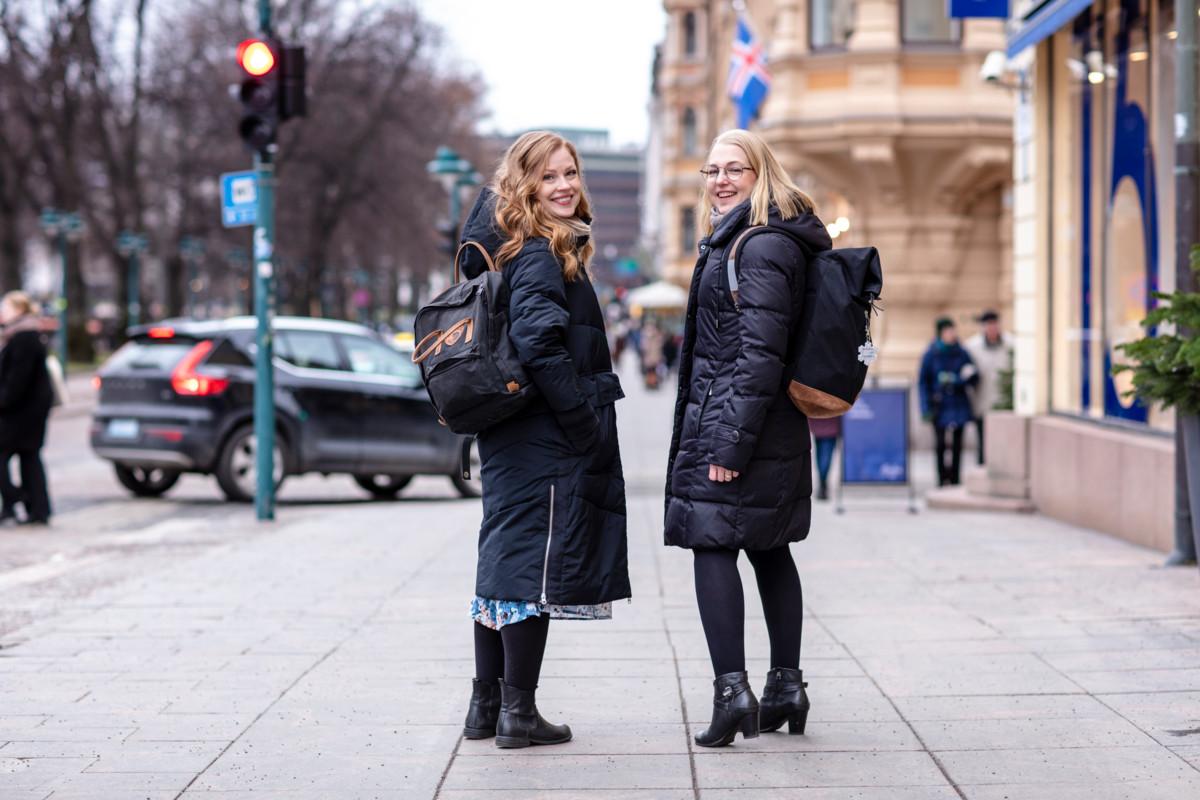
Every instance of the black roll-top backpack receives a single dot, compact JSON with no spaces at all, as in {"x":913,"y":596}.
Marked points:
{"x":470,"y":367}
{"x":831,"y":340}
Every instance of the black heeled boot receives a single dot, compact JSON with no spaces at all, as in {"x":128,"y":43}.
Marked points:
{"x":734,"y":709}
{"x":784,"y":698}
{"x":483,"y":711}
{"x":520,"y":724}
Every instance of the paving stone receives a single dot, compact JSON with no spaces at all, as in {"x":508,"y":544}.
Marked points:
{"x":745,"y":767}
{"x":834,"y":793}
{"x":540,"y":769}
{"x":1064,"y":765}
{"x":996,"y":707}
{"x":1003,"y":734}
{"x":1128,"y":790}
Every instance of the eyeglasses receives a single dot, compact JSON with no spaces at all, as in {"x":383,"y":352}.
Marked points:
{"x":733,"y":172}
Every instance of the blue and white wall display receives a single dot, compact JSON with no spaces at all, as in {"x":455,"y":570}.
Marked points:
{"x":239,"y":198}
{"x":875,"y":438}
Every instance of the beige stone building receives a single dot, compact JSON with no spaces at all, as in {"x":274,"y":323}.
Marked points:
{"x":878,"y":108}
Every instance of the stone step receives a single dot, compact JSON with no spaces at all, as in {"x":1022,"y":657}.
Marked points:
{"x":957,"y":498}
{"x":978,"y":481}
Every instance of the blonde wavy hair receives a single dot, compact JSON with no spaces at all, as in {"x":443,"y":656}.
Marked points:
{"x":772,"y":185}
{"x":521,"y":217}
{"x":22,"y":302}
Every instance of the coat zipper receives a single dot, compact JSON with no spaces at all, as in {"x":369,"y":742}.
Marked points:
{"x":549,"y":539}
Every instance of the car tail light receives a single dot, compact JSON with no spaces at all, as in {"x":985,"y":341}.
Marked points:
{"x":97,"y":382}
{"x":162,"y":333}
{"x":185,"y":380}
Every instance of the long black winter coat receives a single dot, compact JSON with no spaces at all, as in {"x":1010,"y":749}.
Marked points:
{"x":553,"y":493}
{"x":25,"y":392}
{"x":733,"y":409}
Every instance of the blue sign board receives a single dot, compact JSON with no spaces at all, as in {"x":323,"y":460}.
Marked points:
{"x":977,"y":9}
{"x":875,"y":438}
{"x":239,"y":198}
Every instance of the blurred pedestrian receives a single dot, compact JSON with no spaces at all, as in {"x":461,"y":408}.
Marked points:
{"x":739,"y":473}
{"x":946,"y":372}
{"x":991,"y":350}
{"x":652,"y":353}
{"x":26,"y":395}
{"x":825,"y":436}
{"x":552,"y":543}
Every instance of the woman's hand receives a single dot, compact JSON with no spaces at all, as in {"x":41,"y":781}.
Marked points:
{"x":720,"y":474}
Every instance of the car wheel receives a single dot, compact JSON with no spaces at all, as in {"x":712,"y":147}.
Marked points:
{"x":385,"y":487}
{"x":474,"y":486}
{"x":146,"y":481}
{"x":237,"y":468}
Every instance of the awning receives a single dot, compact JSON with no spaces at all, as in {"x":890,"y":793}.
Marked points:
{"x":1049,"y":18}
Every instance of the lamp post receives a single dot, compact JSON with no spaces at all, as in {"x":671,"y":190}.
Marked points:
{"x":454,"y":173}
{"x":191,"y":250}
{"x":64,"y":227}
{"x":130,"y":245}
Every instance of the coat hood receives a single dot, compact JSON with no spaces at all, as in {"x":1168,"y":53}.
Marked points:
{"x":806,"y":229}
{"x":480,"y":227}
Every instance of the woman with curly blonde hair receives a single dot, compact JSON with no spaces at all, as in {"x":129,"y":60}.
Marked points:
{"x":552,"y":542}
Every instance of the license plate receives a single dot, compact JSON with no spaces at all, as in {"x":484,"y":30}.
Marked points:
{"x":122,"y":429}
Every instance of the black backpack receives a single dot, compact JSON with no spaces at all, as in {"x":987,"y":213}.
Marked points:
{"x":470,"y":367}
{"x":831,"y":340}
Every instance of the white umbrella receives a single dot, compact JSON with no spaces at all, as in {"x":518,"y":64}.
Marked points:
{"x":660,"y":294}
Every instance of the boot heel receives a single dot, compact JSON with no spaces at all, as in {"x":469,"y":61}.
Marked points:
{"x":512,"y":742}
{"x":750,"y":726}
{"x":797,"y":722}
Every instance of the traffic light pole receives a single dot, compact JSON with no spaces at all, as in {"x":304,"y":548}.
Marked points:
{"x":264,"y":310}
{"x":64,"y":351}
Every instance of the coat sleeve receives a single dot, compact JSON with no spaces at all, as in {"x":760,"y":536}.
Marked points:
{"x":538,"y":320}
{"x":21,"y":362}
{"x":771,"y":274}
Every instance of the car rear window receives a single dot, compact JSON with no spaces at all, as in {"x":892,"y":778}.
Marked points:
{"x":150,"y":354}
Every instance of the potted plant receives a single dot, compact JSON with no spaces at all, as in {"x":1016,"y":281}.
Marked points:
{"x":1165,"y":367}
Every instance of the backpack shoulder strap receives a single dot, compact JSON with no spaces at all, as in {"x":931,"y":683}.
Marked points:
{"x":487,"y":258}
{"x":731,"y":278}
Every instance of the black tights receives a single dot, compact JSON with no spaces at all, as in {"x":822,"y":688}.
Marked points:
{"x":723,"y":607}
{"x":513,"y":653}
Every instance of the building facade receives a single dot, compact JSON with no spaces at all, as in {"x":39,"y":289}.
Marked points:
{"x":878,"y":109}
{"x":1094,"y":234}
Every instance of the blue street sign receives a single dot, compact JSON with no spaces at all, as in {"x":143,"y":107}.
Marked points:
{"x":239,"y":198}
{"x":977,"y":9}
{"x":875,"y":438}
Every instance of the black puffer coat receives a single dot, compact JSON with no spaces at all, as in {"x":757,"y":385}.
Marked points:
{"x":733,"y":409}
{"x":26,"y":394}
{"x":553,"y":493}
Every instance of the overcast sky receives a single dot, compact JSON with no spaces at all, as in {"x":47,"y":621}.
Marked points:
{"x":558,"y":63}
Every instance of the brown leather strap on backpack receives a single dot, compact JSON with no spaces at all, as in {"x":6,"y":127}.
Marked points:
{"x":435,"y":340}
{"x":483,"y":250}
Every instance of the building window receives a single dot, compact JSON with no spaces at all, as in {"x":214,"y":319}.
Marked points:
{"x":830,"y":23}
{"x":689,"y":131}
{"x":687,"y":229}
{"x":1112,"y":230}
{"x":926,"y":22}
{"x":689,"y":34}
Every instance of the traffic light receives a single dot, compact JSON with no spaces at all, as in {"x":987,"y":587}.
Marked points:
{"x":260,"y":92}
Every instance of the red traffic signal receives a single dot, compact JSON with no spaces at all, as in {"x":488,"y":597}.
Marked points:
{"x":256,"y":57}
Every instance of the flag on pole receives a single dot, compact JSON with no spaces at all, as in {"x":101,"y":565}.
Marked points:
{"x":749,"y":80}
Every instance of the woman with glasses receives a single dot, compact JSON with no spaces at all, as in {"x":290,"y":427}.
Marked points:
{"x":739,"y":473}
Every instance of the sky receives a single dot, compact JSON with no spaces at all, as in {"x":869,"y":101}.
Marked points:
{"x":557,"y":63}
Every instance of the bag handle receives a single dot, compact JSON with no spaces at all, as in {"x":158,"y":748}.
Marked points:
{"x":435,"y":339}
{"x":731,"y":262}
{"x":491,"y":265}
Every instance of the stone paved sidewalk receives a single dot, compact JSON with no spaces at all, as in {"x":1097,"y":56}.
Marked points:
{"x":949,"y":655}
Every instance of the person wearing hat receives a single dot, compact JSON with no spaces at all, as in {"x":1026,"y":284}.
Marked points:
{"x":946,"y":372}
{"x":991,"y":350}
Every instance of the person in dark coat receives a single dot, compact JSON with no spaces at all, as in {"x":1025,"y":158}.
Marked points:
{"x":946,"y":372}
{"x":26,"y":396}
{"x":552,"y":542}
{"x":739,"y":472}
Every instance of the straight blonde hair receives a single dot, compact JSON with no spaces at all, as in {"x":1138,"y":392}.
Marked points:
{"x":521,"y":217}
{"x":772,"y":185}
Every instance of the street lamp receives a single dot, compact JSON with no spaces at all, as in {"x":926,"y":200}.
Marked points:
{"x":454,"y":173}
{"x":191,"y":250}
{"x":65,"y":227}
{"x":129,"y":245}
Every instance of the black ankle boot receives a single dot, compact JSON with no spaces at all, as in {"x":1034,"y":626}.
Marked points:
{"x":734,"y":709}
{"x":520,"y":724}
{"x":784,"y":698}
{"x":483,"y":711}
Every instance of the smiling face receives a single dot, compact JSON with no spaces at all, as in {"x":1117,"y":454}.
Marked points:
{"x":561,"y":188}
{"x":725,"y":192}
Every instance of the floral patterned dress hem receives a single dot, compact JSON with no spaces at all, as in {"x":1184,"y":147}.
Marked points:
{"x":495,"y":614}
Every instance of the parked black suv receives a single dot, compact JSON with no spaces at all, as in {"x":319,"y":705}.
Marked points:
{"x":179,"y":397}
